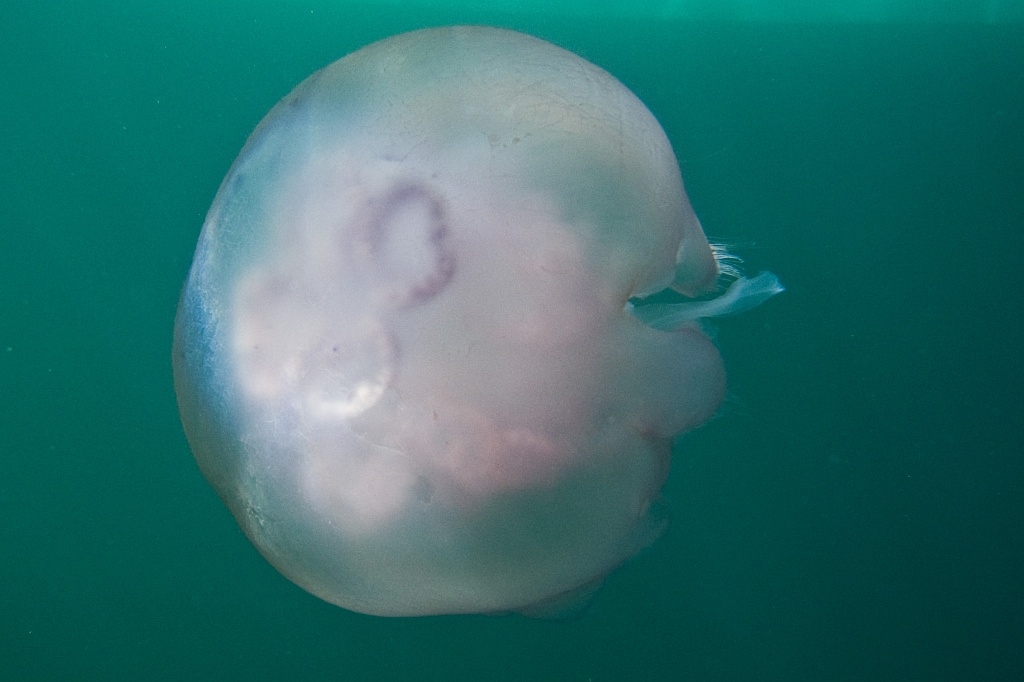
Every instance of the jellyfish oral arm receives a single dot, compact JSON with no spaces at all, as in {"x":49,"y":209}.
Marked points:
{"x":742,"y":295}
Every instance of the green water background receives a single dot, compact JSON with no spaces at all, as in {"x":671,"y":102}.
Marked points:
{"x":854,"y":513}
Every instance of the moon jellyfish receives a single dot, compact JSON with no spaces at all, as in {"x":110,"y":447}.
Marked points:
{"x":415,"y":354}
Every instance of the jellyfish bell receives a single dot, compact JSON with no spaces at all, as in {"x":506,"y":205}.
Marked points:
{"x":413,"y":353}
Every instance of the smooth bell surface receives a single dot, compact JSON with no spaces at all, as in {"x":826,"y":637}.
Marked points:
{"x":403,"y":355}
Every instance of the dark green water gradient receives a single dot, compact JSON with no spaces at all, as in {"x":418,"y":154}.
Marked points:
{"x":854,"y":513}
